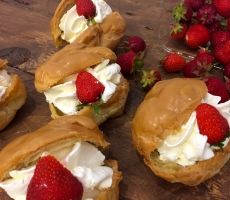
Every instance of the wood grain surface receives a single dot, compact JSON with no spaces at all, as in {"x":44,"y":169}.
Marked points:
{"x":25,"y":41}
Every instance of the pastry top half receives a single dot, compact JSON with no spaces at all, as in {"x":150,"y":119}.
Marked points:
{"x":12,"y":95}
{"x":61,"y":133}
{"x":69,"y":60}
{"x":158,"y":123}
{"x":107,"y":33}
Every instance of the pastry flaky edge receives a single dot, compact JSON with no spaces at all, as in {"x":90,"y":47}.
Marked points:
{"x":60,"y":133}
{"x":12,"y":100}
{"x":146,"y":139}
{"x":55,"y":70}
{"x":108,"y":33}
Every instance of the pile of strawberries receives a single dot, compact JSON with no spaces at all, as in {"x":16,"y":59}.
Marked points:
{"x":205,"y":26}
{"x":131,"y":62}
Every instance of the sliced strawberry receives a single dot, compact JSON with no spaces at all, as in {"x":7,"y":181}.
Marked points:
{"x":86,"y":8}
{"x":211,"y":123}
{"x":89,"y":89}
{"x":51,"y":181}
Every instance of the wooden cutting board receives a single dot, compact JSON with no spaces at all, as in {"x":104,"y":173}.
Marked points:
{"x":25,"y":40}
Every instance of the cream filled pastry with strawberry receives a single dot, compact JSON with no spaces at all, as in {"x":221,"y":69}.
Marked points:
{"x":79,"y":21}
{"x":12,"y":95}
{"x":62,"y":160}
{"x":183,"y":131}
{"x":83,"y":81}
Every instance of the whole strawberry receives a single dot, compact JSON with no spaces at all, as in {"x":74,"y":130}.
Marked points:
{"x":194,"y":4}
{"x":89,"y":89}
{"x":52,"y":181}
{"x":173,"y":62}
{"x":191,"y":69}
{"x":86,"y":8}
{"x":129,"y":63}
{"x":215,"y":26}
{"x":179,"y":31}
{"x":149,"y":78}
{"x":219,"y":38}
{"x":207,"y":14}
{"x":136,"y":44}
{"x":217,"y":87}
{"x":211,"y":123}
{"x":222,"y":7}
{"x":205,"y":60}
{"x":222,"y":53}
{"x":197,"y":35}
{"x":227,"y":71}
{"x":182,"y":13}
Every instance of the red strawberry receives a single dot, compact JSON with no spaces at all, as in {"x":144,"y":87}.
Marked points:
{"x":197,"y":35}
{"x":207,"y":14}
{"x":86,"y":8}
{"x":194,"y":4}
{"x":182,"y":13}
{"x":223,"y":7}
{"x":215,"y":26}
{"x":89,"y":89}
{"x":228,"y":24}
{"x":127,"y":62}
{"x":179,"y":31}
{"x":218,"y":88}
{"x":191,"y":69}
{"x":211,"y":123}
{"x":137,"y":44}
{"x":149,"y":78}
{"x":205,"y":59}
{"x":227,"y":71}
{"x":219,"y":38}
{"x":222,"y":53}
{"x":173,"y":62}
{"x":52,"y":181}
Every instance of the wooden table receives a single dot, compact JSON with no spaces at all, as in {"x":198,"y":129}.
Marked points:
{"x":25,"y":41}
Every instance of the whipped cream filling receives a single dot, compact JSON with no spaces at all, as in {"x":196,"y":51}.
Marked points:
{"x":84,"y":161}
{"x":64,"y":97}
{"x":5,"y":80}
{"x":188,"y":145}
{"x":72,"y":25}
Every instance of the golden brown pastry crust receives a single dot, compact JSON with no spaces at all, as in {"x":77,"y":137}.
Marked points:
{"x":59,"y":133}
{"x":69,"y":60}
{"x":72,"y":59}
{"x":12,"y":100}
{"x":107,"y":34}
{"x":113,"y":108}
{"x":165,"y":108}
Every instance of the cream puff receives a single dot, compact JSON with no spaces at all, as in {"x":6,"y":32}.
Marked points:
{"x":70,"y":146}
{"x":182,"y":131}
{"x":83,"y":81}
{"x":12,"y":95}
{"x":71,"y":25}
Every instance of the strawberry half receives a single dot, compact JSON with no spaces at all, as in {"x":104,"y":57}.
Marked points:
{"x":86,"y":8}
{"x":211,"y":123}
{"x":89,"y":89}
{"x":51,"y":181}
